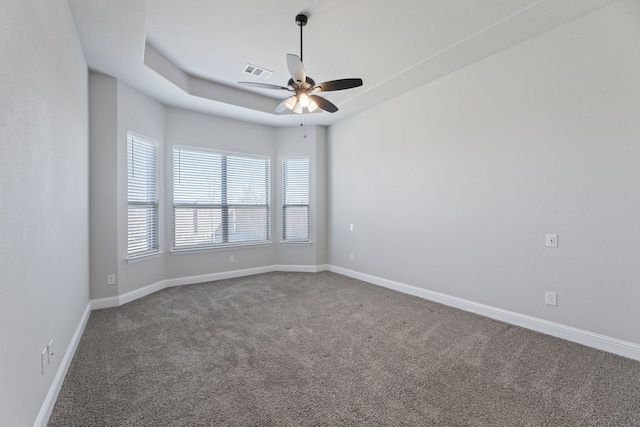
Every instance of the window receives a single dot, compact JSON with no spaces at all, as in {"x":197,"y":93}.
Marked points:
{"x":295,"y":199}
{"x":219,"y":199}
{"x":142,"y":196}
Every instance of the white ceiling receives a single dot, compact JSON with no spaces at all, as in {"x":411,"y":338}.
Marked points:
{"x":192,"y":53}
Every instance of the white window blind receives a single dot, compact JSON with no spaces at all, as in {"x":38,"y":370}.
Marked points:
{"x":219,"y":199}
{"x":295,"y":199}
{"x":142,"y":196}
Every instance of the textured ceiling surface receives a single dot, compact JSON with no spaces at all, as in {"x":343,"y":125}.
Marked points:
{"x":192,"y":53}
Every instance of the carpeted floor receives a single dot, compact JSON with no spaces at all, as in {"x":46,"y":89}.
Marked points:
{"x":296,"y":349}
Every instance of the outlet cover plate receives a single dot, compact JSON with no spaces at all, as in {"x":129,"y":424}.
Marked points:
{"x":551,"y":298}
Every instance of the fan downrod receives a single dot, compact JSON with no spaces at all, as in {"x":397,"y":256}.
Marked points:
{"x":301,"y":20}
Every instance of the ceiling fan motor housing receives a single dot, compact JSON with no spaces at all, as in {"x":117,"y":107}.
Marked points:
{"x":308,"y":85}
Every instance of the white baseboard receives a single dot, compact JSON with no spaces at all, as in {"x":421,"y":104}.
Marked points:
{"x":142,"y":292}
{"x":52,"y":395}
{"x":590,"y":339}
{"x":302,"y":268}
{"x":191,"y":280}
{"x":100,"y":303}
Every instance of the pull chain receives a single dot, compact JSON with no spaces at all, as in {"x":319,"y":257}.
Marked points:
{"x":303,"y":125}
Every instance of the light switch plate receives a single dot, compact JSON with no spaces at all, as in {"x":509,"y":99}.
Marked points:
{"x":44,"y":360}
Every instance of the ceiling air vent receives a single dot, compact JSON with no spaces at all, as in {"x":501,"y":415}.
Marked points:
{"x":257,"y":71}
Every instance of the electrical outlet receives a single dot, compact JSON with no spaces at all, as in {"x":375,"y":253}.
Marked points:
{"x":232,"y":258}
{"x":111,"y":279}
{"x":552,"y":240}
{"x":550,"y":298}
{"x":350,"y":227}
{"x":351,"y":257}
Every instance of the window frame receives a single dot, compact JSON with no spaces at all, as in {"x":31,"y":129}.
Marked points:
{"x":304,"y":240}
{"x":153,"y":226}
{"x":224,"y":206}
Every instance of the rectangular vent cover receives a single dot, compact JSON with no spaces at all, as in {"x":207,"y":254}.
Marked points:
{"x":258,"y":71}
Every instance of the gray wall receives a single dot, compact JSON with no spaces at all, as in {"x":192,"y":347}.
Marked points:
{"x":202,"y":130}
{"x":453,"y":186}
{"x":103,"y":169}
{"x":117,"y":108}
{"x":145,"y":116}
{"x":44,"y":208}
{"x":291,"y":142}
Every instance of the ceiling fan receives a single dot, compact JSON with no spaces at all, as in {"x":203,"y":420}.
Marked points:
{"x":304,"y":99}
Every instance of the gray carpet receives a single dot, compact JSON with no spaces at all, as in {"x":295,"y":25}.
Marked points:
{"x":296,"y":349}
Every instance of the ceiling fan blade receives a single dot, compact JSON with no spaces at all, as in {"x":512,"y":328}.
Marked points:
{"x":296,"y":69}
{"x":323,"y":103}
{"x":338,"y":84}
{"x":263,"y":85}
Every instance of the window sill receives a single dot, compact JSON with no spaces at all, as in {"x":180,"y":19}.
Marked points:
{"x":295,"y":243}
{"x":189,"y":251}
{"x":145,"y":257}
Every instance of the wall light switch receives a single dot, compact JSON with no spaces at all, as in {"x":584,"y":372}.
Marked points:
{"x":44,"y":360}
{"x":552,"y":240}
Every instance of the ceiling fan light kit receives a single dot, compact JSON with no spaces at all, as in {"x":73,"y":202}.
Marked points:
{"x":304,"y":99}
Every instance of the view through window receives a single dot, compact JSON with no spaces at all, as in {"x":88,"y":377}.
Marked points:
{"x":295,"y":199}
{"x":142,"y":196}
{"x":219,"y":199}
